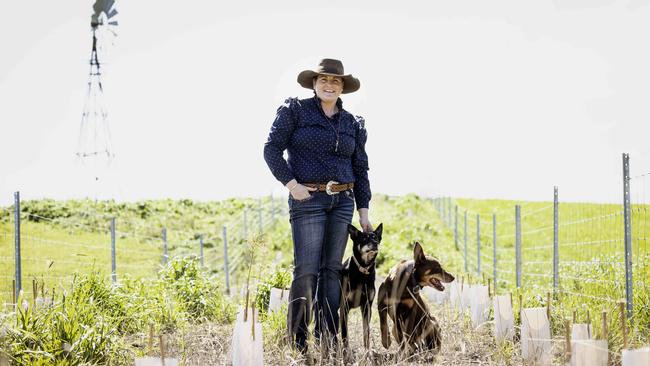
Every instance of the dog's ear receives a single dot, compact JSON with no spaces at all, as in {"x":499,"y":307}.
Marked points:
{"x":418,"y":253}
{"x":353,"y":231}
{"x":379,"y":230}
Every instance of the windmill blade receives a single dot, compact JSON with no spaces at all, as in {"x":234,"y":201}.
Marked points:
{"x":112,"y":13}
{"x":113,"y":23}
{"x":102,"y":6}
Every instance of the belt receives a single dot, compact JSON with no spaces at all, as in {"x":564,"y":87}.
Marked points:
{"x":330,"y":187}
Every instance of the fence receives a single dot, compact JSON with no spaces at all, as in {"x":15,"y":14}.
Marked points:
{"x":584,"y":253}
{"x":49,"y":250}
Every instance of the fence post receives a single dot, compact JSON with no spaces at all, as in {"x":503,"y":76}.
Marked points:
{"x":272,"y":209}
{"x":17,"y":244}
{"x":556,"y":240}
{"x":456,"y":226}
{"x":164,"y":235}
{"x":225,"y":258}
{"x":494,"y":250}
{"x":259,"y":211}
{"x":449,"y":212}
{"x":113,"y":262}
{"x":465,"y":250}
{"x":478,"y":244}
{"x":628,"y":235}
{"x":201,"y":248}
{"x":518,"y":243}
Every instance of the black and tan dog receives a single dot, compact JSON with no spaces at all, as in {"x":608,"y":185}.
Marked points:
{"x":414,"y":328}
{"x":358,"y":280}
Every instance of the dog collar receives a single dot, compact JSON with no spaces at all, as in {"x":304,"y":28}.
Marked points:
{"x":416,"y":286}
{"x":364,"y":270}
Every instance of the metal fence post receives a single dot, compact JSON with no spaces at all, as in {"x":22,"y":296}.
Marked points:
{"x":225,"y":259}
{"x":164,"y":235}
{"x":628,"y":235}
{"x":556,"y":240}
{"x":478,"y":244}
{"x":201,"y":248}
{"x":518,"y":243}
{"x":449,"y":211}
{"x":465,"y":250}
{"x":17,"y":244}
{"x":456,"y":226}
{"x":113,"y":262}
{"x":494,"y":250}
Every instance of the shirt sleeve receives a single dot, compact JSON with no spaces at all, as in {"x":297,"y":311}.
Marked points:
{"x":360,"y":167}
{"x":281,"y":130}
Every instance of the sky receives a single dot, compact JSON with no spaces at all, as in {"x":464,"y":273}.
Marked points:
{"x":498,"y":99}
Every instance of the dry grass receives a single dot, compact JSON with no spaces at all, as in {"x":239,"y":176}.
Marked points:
{"x":462,"y":345}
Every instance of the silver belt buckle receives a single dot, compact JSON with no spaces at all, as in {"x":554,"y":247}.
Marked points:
{"x":328,"y":187}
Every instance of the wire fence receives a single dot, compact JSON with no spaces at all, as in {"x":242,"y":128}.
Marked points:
{"x":584,"y":253}
{"x":35,"y":247}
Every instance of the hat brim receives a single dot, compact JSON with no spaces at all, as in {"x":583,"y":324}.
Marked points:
{"x":350,"y":83}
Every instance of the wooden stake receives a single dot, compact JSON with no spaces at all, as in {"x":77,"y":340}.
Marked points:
{"x":621,"y":306}
{"x":253,"y":321}
{"x":489,"y":287}
{"x":246,"y":306}
{"x":150,"y":341}
{"x":162,"y":349}
{"x":521,"y":306}
{"x":548,"y":306}
{"x":462,"y":282}
{"x":575,"y":316}
{"x":588,"y":324}
{"x":34,"y":291}
{"x":604,"y":315}
{"x":13,"y":293}
{"x":567,"y":336}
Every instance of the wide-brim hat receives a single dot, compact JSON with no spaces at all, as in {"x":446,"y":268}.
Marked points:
{"x":328,"y":66}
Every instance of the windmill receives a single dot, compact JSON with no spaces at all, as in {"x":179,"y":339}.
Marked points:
{"x":94,"y":143}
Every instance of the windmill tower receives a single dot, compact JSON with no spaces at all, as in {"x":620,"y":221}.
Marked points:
{"x":94,"y":144}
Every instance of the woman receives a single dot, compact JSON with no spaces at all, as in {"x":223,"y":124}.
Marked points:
{"x":326,"y":173}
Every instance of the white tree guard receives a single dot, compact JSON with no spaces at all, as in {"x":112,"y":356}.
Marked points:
{"x":454,"y":294}
{"x":589,"y":353}
{"x":636,"y":357}
{"x":277,"y":298}
{"x":479,"y":305}
{"x":535,"y":336}
{"x":155,"y":361}
{"x":504,"y":319}
{"x":247,"y":351}
{"x":435,"y":296}
{"x":465,"y":297}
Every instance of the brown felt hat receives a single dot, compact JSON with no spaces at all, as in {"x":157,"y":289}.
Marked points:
{"x":328,"y":66}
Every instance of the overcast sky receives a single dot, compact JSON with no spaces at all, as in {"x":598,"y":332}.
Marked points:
{"x":489,"y":99}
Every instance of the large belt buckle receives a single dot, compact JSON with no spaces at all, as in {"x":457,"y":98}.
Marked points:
{"x":328,"y":187}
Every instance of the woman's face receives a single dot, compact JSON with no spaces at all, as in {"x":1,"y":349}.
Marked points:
{"x":328,"y":88}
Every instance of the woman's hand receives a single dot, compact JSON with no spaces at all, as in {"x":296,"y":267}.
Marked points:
{"x":364,"y":221}
{"x":298,"y":191}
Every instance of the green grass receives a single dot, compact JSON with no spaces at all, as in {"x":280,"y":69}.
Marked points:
{"x":75,"y":239}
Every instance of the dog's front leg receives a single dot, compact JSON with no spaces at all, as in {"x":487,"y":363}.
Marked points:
{"x":366,"y":310}
{"x":382,"y":307}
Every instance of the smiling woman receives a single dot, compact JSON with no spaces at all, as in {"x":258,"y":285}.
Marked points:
{"x":326,"y":173}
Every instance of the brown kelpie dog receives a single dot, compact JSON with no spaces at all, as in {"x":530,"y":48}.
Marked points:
{"x":358,"y":280}
{"x":414,"y":328}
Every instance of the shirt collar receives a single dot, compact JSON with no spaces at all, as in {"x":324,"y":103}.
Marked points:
{"x":339,"y":105}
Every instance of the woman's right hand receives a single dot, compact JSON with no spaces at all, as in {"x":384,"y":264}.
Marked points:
{"x":298,"y":191}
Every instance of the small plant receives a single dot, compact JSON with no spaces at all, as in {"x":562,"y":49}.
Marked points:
{"x":281,"y":278}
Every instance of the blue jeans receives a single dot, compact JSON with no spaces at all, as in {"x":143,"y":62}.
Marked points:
{"x":319,"y":226}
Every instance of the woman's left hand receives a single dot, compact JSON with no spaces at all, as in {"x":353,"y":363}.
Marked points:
{"x":364,"y":220}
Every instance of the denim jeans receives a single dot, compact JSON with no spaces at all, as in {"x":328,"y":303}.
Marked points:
{"x":319,"y":226}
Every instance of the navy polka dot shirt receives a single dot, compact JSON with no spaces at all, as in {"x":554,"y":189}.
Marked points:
{"x":319,"y":148}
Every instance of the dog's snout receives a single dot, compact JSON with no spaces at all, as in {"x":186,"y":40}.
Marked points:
{"x":448,"y":277}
